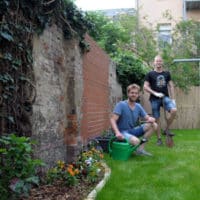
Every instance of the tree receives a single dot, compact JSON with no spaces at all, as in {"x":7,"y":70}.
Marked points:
{"x":186,"y":44}
{"x":116,"y":38}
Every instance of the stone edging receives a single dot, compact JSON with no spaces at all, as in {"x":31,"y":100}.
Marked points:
{"x":92,"y":195}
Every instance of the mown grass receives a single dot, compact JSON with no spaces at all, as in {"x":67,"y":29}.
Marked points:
{"x":171,"y":174}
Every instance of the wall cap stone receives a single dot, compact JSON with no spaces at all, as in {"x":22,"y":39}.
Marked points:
{"x":92,"y":195}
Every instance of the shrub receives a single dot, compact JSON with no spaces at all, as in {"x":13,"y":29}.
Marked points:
{"x":17,"y":168}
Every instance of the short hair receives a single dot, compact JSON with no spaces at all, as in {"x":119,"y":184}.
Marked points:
{"x":133,"y":86}
{"x":158,"y":56}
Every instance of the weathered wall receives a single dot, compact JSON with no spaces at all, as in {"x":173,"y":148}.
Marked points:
{"x":56,"y":112}
{"x":188,"y":105}
{"x":115,"y":87}
{"x":75,"y":94}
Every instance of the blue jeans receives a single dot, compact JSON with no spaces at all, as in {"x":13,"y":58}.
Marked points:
{"x":165,"y":102}
{"x":137,"y":131}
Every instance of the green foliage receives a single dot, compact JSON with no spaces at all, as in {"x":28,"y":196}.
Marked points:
{"x":108,"y":34}
{"x":17,"y":169}
{"x":19,"y":21}
{"x":145,"y":44}
{"x":118,"y":38}
{"x":130,"y":69}
{"x":186,"y":37}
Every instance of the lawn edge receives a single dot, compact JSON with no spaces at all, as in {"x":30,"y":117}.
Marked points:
{"x":92,"y":195}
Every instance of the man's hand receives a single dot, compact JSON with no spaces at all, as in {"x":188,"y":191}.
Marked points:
{"x":158,"y":94}
{"x":174,"y":101}
{"x":119,"y":136}
{"x":151,"y":119}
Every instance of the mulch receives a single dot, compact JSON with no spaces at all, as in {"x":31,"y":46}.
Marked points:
{"x":60,"y":192}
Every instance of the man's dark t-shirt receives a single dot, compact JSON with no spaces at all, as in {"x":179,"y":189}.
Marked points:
{"x":158,"y":82}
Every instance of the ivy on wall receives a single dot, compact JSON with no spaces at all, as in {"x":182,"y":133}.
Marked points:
{"x":19,"y":21}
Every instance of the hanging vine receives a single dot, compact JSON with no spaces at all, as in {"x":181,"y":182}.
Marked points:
{"x":19,"y":21}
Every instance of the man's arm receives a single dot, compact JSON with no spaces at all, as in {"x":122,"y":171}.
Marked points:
{"x":171,"y":89}
{"x":113,"y":121}
{"x":148,"y":89}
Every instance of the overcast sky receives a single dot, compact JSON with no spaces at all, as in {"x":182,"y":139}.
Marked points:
{"x":104,"y":4}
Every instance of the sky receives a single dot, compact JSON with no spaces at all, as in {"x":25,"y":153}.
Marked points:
{"x":104,"y":4}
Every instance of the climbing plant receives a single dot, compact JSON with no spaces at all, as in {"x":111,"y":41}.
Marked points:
{"x":19,"y":21}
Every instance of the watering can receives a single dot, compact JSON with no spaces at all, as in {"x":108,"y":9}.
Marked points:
{"x":121,"y":149}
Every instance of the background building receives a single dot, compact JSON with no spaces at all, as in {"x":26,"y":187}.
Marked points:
{"x":162,"y":15}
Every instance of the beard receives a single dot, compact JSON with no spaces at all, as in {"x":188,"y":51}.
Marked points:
{"x":132,"y":99}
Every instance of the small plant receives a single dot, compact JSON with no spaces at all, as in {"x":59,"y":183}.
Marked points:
{"x":90,"y":163}
{"x":102,"y":141}
{"x":88,"y":166}
{"x":17,"y":168}
{"x":67,"y":173}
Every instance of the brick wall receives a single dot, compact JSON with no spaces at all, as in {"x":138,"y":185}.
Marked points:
{"x":95,"y":105}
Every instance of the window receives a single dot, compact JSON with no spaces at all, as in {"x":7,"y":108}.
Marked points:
{"x":164,"y":35}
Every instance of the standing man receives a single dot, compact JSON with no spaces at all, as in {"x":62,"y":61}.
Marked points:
{"x":125,"y":116}
{"x":160,"y":86}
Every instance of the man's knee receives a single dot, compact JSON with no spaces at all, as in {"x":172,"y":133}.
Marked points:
{"x":173,"y":111}
{"x":134,"y":140}
{"x":149,"y":126}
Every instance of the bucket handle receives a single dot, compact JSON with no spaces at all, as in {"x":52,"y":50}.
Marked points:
{"x":111,"y":141}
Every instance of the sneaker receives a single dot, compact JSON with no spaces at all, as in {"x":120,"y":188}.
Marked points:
{"x":143,"y":153}
{"x":168,"y":132}
{"x":159,"y":142}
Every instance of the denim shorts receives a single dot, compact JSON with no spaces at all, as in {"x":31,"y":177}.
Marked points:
{"x":138,"y":131}
{"x":165,"y":102}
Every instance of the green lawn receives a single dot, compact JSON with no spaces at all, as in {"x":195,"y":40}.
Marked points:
{"x":171,"y":174}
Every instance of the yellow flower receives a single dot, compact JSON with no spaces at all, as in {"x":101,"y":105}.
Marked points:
{"x":61,"y":164}
{"x":76,"y":171}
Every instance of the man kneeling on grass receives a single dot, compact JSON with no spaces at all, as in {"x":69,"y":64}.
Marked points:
{"x":125,"y":116}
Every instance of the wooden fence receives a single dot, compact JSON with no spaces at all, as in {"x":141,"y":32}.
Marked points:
{"x":188,"y":105}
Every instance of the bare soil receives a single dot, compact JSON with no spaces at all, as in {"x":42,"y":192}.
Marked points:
{"x":60,"y":192}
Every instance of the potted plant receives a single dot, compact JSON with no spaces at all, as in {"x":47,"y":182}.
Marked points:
{"x":103,"y":139}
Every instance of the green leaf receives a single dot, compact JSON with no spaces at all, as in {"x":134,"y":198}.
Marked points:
{"x":8,"y":56}
{"x":7,"y":36}
{"x":17,"y":62}
{"x":11,"y":119}
{"x":33,"y":179}
{"x":2,"y":150}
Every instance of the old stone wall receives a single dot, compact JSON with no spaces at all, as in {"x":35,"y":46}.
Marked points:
{"x":58,"y":79}
{"x":115,"y":87}
{"x":75,"y":94}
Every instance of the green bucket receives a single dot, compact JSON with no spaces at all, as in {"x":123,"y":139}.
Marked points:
{"x":120,"y":150}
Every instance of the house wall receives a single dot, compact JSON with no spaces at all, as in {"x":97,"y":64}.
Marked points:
{"x":151,"y":12}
